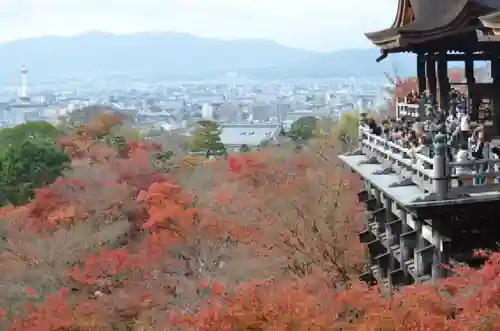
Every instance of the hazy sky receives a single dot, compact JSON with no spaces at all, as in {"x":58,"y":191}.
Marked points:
{"x":312,"y":24}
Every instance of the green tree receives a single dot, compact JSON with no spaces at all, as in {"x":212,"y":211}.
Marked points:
{"x":120,"y":144}
{"x":265,"y":143}
{"x":346,"y":131}
{"x":127,"y":132}
{"x":206,"y":139}
{"x":32,"y":130}
{"x":244,"y":148}
{"x":304,"y":128}
{"x":163,"y":161}
{"x":31,"y":165}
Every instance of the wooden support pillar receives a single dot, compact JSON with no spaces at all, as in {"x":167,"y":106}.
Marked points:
{"x":440,"y":257}
{"x":404,"y":243}
{"x":389,"y":237}
{"x":367,"y":193}
{"x":422,"y":82}
{"x":444,"y":83}
{"x":379,"y":216}
{"x":376,"y":195}
{"x":430,"y":70}
{"x":471,"y":80}
{"x":396,"y":230}
{"x":381,"y":210}
{"x":469,"y":71}
{"x":418,"y":256}
{"x":495,"y":74}
{"x":445,"y":255}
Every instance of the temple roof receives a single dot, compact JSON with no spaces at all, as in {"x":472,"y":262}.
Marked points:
{"x":418,"y":21}
{"x":491,"y":20}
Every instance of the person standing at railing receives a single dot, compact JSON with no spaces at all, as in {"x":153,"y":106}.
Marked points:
{"x":420,"y":146}
{"x":462,"y":156}
{"x":386,"y":130}
{"x":452,"y":121}
{"x":495,"y":155}
{"x":473,"y":140}
{"x":412,"y":97}
{"x":464,"y":126}
{"x":373,"y":127}
{"x":427,"y":98}
{"x":480,"y":151}
{"x":396,"y":130}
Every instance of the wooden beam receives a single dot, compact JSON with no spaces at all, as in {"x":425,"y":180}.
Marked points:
{"x":462,"y":57}
{"x":430,"y":72}
{"x":495,"y":74}
{"x":444,"y":83}
{"x":471,"y":80}
{"x":422,"y":82}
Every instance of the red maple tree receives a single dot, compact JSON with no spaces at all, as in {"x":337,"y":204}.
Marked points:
{"x":260,"y":241}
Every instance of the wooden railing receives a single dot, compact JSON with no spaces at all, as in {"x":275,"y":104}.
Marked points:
{"x":432,"y":175}
{"x":402,"y":160}
{"x":481,"y":172}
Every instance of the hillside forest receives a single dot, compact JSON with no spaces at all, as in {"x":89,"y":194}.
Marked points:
{"x":104,"y":230}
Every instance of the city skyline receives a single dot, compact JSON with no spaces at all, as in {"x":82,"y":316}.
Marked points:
{"x":321,"y":25}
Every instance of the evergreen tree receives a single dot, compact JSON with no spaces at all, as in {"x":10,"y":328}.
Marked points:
{"x":244,"y":148}
{"x":304,"y":128}
{"x":120,"y":144}
{"x":31,"y":165}
{"x":32,"y":130}
{"x":206,"y":139}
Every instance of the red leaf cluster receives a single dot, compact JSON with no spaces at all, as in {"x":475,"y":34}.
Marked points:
{"x":270,"y":244}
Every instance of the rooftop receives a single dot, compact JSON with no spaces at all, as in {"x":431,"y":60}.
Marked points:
{"x":419,"y":21}
{"x":248,"y":134}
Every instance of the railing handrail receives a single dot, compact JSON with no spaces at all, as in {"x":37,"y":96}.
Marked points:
{"x":400,"y":154}
{"x":400,"y":148}
{"x":403,"y":150}
{"x":408,"y":105}
{"x":404,"y":109}
{"x":406,"y":158}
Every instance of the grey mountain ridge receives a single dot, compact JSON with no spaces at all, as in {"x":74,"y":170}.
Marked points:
{"x":182,"y":56}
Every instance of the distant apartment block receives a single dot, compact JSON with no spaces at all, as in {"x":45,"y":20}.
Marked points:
{"x":261,"y":111}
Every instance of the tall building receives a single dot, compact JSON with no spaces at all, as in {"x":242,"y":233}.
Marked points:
{"x":207,"y":111}
{"x":282,"y":110}
{"x":24,"y":109}
{"x":23,"y":90}
{"x":260,"y":112}
{"x":228,"y":111}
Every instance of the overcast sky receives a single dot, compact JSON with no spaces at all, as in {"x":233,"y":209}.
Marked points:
{"x":312,"y":24}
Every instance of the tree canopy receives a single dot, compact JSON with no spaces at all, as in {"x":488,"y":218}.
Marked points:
{"x":31,"y":165}
{"x":304,"y":128}
{"x":132,"y":238}
{"x":346,"y":130}
{"x":32,"y":130}
{"x":244,"y":148}
{"x":206,"y":139}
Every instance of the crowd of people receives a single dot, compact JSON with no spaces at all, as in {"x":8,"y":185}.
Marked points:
{"x":465,"y":143}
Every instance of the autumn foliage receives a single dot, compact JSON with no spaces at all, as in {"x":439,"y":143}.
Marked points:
{"x":258,"y":241}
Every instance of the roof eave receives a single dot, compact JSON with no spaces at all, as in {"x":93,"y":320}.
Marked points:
{"x":391,"y":43}
{"x":491,"y":21}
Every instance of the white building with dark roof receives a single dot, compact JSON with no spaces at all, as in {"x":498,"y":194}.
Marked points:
{"x":233,"y":136}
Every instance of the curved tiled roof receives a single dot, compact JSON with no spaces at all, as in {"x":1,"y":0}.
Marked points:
{"x":432,"y":19}
{"x":491,"y":20}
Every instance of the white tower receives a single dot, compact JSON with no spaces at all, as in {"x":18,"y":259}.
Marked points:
{"x":207,"y":111}
{"x":327,"y":98}
{"x":23,"y":93}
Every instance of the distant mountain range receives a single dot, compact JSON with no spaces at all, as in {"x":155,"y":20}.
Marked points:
{"x":183,"y":56}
